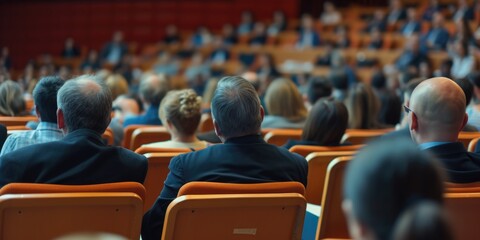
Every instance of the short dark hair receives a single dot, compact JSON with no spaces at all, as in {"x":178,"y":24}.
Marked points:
{"x":378,"y":80}
{"x":153,"y":89}
{"x":474,"y":78}
{"x":388,"y":178}
{"x":326,"y":122}
{"x":318,"y":87}
{"x":86,"y":103}
{"x":45,"y":97}
{"x":339,"y":80}
{"x":467,"y":88}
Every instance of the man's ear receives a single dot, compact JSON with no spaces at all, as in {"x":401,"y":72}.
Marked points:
{"x":413,"y":122}
{"x":218,"y":131}
{"x":37,"y":113}
{"x":262,"y":112}
{"x":465,"y":120}
{"x":60,"y":119}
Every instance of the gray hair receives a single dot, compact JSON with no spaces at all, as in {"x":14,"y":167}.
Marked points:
{"x":153,"y":88}
{"x":86,"y":103}
{"x":236,"y":107}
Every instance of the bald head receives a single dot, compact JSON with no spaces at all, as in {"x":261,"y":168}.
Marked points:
{"x":439,"y":110}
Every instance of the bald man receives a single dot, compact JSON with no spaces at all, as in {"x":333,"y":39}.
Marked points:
{"x":436,"y":115}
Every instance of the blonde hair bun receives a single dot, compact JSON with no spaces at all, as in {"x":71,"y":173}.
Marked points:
{"x":190,"y":103}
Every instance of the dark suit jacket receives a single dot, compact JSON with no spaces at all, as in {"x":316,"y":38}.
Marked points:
{"x":81,"y":157}
{"x":246,"y":159}
{"x":461,"y":166}
{"x":150,"y":117}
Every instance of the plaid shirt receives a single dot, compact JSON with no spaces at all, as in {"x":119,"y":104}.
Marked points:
{"x":45,"y":132}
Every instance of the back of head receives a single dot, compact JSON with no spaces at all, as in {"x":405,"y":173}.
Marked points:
{"x":438,"y":103}
{"x":339,"y":80}
{"x":379,"y":81}
{"x":282,"y":98}
{"x":117,"y":84}
{"x":363,"y":107}
{"x":153,"y":88}
{"x":86,"y":103}
{"x":45,"y":97}
{"x":318,"y":87}
{"x":386,"y":179}
{"x":326,"y":122}
{"x":467,"y":88}
{"x":423,"y":221}
{"x":236,"y":107}
{"x":183,"y":109}
{"x":11,"y":99}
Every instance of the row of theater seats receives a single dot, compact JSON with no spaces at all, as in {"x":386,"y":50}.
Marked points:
{"x":324,"y":188}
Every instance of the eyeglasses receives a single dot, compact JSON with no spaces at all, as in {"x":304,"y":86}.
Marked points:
{"x":407,"y":109}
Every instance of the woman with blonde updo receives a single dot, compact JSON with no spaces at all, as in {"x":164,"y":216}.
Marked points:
{"x":11,"y":99}
{"x":180,"y":112}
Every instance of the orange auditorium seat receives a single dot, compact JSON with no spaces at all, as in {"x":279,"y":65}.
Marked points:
{"x":147,"y":135}
{"x":280,"y":136}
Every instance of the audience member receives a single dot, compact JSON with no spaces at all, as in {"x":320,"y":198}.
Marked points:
{"x":308,"y":37}
{"x":330,"y":15}
{"x":228,"y":34}
{"x":5,"y":58}
{"x":244,"y":157}
{"x":378,"y":21}
{"x":436,"y":115}
{"x":117,"y":84}
{"x":363,"y":108}
{"x":201,"y":37}
{"x":325,"y":60}
{"x":411,"y":55}
{"x":433,"y":7}
{"x":197,"y":72}
{"x":386,"y":187}
{"x":124,"y":106}
{"x":463,"y":60}
{"x":166,"y":64}
{"x":180,"y":111}
{"x":81,"y":157}
{"x":437,"y":37}
{"x":258,"y":35}
{"x":397,"y":13}
{"x":376,"y":40}
{"x":390,"y":103}
{"x":339,"y":82}
{"x":11,"y":99}
{"x":473,"y":111}
{"x":246,"y":24}
{"x":325,"y":125}
{"x":171,"y":35}
{"x":152,"y":90}
{"x":463,"y":11}
{"x":284,"y":105}
{"x":220,"y":53}
{"x":70,"y":50}
{"x":114,"y":51}
{"x":341,"y":35}
{"x":318,"y":87}
{"x":278,"y":25}
{"x":412,"y":25}
{"x":45,"y":98}
{"x":91,"y":63}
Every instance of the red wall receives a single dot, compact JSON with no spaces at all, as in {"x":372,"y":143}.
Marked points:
{"x":30,"y":28}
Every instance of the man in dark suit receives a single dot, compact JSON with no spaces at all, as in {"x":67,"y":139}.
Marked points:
{"x":113,"y":52}
{"x":437,"y":37}
{"x":81,"y":157}
{"x":413,"y":24}
{"x":436,"y":115}
{"x":244,"y":157}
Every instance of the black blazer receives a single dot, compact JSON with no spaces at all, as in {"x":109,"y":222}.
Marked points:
{"x":461,"y":166}
{"x":246,"y":159}
{"x":79,"y":158}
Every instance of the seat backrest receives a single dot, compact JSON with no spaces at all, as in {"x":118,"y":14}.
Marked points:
{"x":206,"y":123}
{"x":280,"y":136}
{"x":277,"y":216}
{"x":462,"y":187}
{"x":148,"y":135}
{"x":26,"y":188}
{"x":472,"y":145}
{"x":463,"y":209}
{"x":144,"y":150}
{"x":304,"y":150}
{"x":127,"y":133}
{"x":50,"y":215}
{"x":108,"y":136}
{"x":317,"y":172}
{"x":156,"y":174}
{"x":466,"y":137}
{"x":332,"y":222}
{"x":239,"y":188}
{"x":16,"y":121}
{"x":360,"y":136}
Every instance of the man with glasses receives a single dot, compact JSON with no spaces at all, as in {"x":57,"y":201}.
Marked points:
{"x":436,"y":115}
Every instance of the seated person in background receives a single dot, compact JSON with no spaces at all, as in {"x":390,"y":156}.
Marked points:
{"x":258,"y":35}
{"x":378,"y":21}
{"x":390,"y":103}
{"x":437,"y":37}
{"x":363,"y":108}
{"x":376,"y":40}
{"x":11,"y":99}
{"x":326,"y":58}
{"x":433,"y":7}
{"x":114,"y":51}
{"x":397,"y":13}
{"x":413,"y":24}
{"x":463,"y":61}
{"x":339,"y":82}
{"x":325,"y":125}
{"x":244,"y":157}
{"x":436,"y":115}
{"x":308,"y":37}
{"x":246,"y":25}
{"x":330,"y":15}
{"x":317,"y":87}
{"x":91,"y":63}
{"x":180,"y":111}
{"x":392,"y":190}
{"x":284,"y":105}
{"x":278,"y":25}
{"x":70,"y":50}
{"x":124,"y":106}
{"x":411,"y":55}
{"x":473,"y":110}
{"x":81,"y":157}
{"x":45,"y":98}
{"x":152,"y":90}
{"x":171,"y":35}
{"x":464,"y":11}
